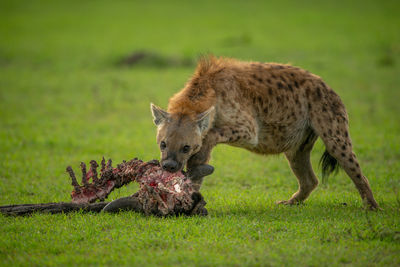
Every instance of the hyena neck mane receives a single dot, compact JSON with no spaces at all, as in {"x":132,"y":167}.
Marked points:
{"x":198,"y":95}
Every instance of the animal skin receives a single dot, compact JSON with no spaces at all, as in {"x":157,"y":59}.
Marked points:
{"x":161,"y":192}
{"x":266,"y":108}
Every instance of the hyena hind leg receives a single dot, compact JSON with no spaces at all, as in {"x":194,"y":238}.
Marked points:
{"x":338,"y":146}
{"x":299,"y":161}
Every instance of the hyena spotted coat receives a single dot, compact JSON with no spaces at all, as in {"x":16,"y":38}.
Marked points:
{"x":266,"y":108}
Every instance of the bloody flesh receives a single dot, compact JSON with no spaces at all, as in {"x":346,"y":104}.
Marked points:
{"x":161,"y":192}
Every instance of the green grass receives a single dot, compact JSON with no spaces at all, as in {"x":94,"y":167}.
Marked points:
{"x":63,"y":100}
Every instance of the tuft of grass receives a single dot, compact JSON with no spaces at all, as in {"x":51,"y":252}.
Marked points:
{"x":64,"y":100}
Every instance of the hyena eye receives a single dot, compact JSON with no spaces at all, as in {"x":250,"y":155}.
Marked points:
{"x":186,"y":149}
{"x":163,"y":145}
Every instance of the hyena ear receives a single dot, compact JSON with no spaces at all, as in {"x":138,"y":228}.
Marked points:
{"x":204,"y":119}
{"x":159,"y":115}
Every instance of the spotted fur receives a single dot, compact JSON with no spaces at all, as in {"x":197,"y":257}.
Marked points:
{"x":267,"y":108}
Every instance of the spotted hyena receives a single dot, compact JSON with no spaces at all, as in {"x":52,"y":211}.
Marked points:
{"x":266,"y":108}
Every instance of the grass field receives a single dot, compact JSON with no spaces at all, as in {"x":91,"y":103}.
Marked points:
{"x":63,"y":99}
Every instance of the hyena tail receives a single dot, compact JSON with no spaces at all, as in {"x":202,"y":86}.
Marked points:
{"x":328,"y":164}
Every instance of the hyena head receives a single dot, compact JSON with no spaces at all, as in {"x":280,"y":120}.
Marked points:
{"x":179,"y":136}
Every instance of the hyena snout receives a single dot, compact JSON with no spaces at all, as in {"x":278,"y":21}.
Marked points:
{"x":171,"y":165}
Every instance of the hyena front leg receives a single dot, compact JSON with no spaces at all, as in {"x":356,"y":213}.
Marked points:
{"x":198,"y":168}
{"x":197,"y":164}
{"x":198,"y":161}
{"x":299,"y":161}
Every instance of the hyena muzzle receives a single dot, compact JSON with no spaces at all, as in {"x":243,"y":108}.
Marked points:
{"x":266,"y":108}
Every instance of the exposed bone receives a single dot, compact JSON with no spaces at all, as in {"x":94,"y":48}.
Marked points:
{"x":84,"y":176}
{"x":73,"y":178}
{"x":161,"y":193}
{"x":93,"y":168}
{"x":109,"y":164}
{"x":103,"y":165}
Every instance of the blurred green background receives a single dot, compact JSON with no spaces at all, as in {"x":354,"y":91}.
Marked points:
{"x":65,"y":97}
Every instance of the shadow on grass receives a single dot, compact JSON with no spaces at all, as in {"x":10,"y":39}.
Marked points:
{"x":153,"y":60}
{"x":300,"y":211}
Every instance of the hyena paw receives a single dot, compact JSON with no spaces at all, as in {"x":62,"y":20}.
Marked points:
{"x":372,"y":205}
{"x":288,"y":202}
{"x":200,"y":171}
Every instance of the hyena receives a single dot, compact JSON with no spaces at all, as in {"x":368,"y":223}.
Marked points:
{"x":266,"y":108}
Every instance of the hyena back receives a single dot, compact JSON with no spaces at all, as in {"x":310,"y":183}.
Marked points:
{"x":266,"y":108}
